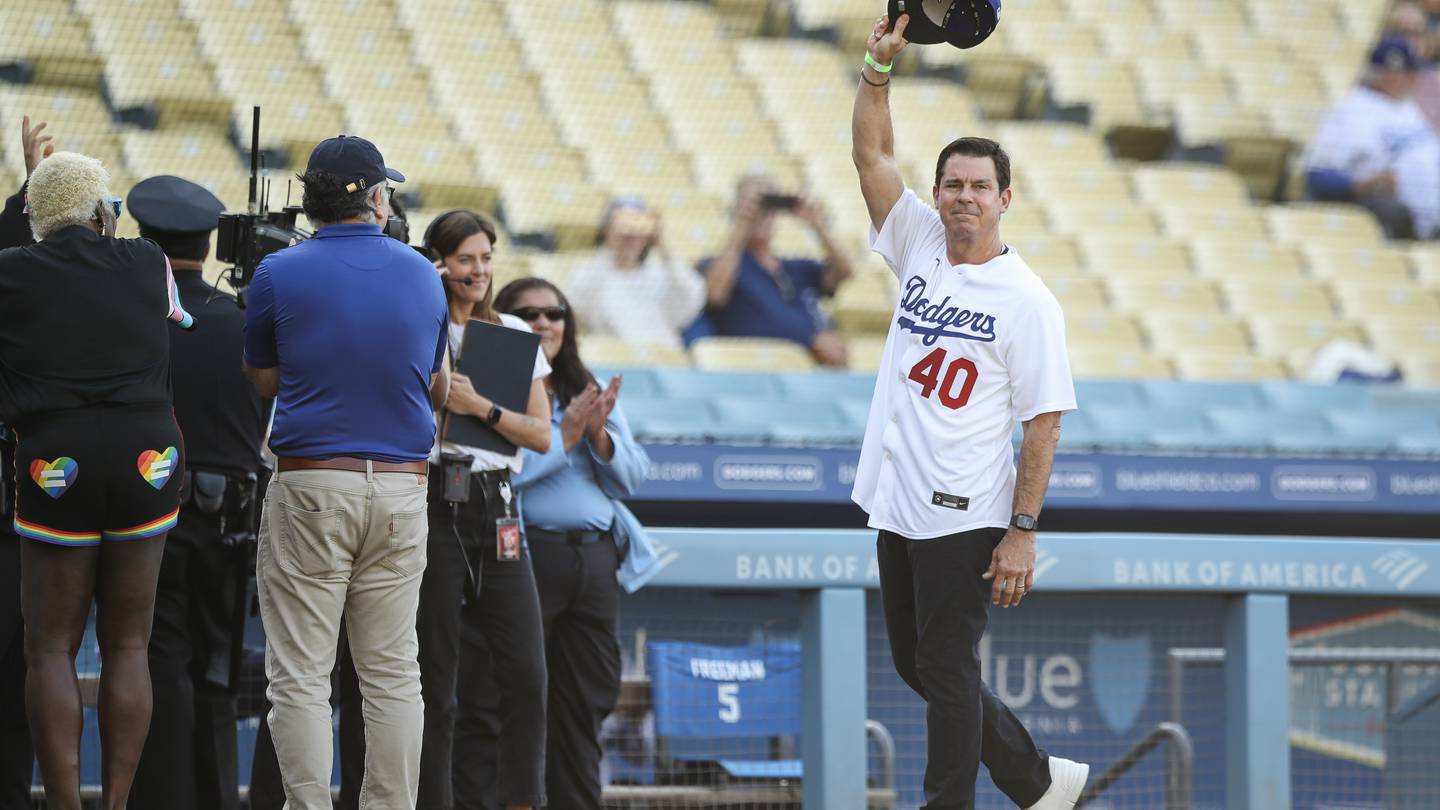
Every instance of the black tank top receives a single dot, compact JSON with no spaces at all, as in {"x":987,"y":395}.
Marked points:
{"x":82,"y":322}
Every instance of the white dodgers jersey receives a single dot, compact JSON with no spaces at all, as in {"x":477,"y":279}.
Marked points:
{"x":972,"y":350}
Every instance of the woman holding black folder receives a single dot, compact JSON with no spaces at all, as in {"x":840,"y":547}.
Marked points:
{"x":478,"y":575}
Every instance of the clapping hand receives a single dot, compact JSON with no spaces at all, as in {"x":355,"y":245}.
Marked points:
{"x":36,"y":146}
{"x":575,"y":424}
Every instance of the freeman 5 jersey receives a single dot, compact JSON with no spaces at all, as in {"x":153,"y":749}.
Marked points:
{"x":972,"y":350}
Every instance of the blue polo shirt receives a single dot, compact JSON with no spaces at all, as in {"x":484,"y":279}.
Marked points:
{"x":764,"y":305}
{"x":356,"y":322}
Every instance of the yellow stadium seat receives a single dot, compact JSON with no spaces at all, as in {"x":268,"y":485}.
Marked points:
{"x":1103,"y":329}
{"x":1404,"y":336}
{"x":617,"y":353}
{"x":1107,"y":13}
{"x":750,"y":354}
{"x":1046,"y":182}
{"x":1168,"y":77}
{"x":1308,"y":223}
{"x":558,"y":268}
{"x":1042,"y":38}
{"x":1295,"y":118}
{"x":1109,"y":89}
{"x":1260,"y":82}
{"x":1078,"y":294}
{"x":1365,"y":301}
{"x":1174,"y":332}
{"x":1201,"y":121}
{"x":1177,"y":295}
{"x":1379,"y":264}
{"x":54,"y":40}
{"x":1115,"y":218}
{"x":1285,"y":336}
{"x":865,"y":303}
{"x":1185,"y":14}
{"x":1055,"y":143}
{"x":1116,"y":363}
{"x":1136,"y":258}
{"x":566,"y":209}
{"x":1126,"y":43}
{"x":1045,"y":254}
{"x":1157,"y":183}
{"x":1421,"y":370}
{"x":1224,"y":366}
{"x":1244,"y":258}
{"x":1185,"y":219}
{"x":1425,"y":261}
{"x":1296,"y":297}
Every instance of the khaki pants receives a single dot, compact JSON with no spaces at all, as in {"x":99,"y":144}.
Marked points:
{"x":333,"y":543}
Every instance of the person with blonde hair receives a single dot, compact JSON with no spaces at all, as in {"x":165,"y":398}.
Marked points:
{"x":85,"y":387}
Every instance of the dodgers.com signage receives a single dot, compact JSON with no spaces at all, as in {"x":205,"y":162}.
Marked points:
{"x":1096,"y":480}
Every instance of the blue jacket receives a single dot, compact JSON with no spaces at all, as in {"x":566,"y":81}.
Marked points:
{"x":578,"y":469}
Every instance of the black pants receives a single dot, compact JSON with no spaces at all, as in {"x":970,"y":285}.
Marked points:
{"x":17,"y":757}
{"x":266,"y":790}
{"x":936,"y":608}
{"x":580,"y":607}
{"x":189,"y":758}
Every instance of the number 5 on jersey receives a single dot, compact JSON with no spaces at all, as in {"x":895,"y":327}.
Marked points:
{"x":927,"y":373}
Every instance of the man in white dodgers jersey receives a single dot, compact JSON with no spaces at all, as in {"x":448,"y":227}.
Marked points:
{"x":977,"y":344}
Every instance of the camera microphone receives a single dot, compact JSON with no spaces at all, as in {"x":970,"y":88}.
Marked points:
{"x":467,"y":281}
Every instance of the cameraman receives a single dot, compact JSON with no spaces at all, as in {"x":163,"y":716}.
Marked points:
{"x":17,"y":756}
{"x":347,"y":331}
{"x":84,"y":384}
{"x":190,"y":757}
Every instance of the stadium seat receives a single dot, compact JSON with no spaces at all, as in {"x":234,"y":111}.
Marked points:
{"x":1088,"y":360}
{"x":1184,"y":395}
{"x":1177,"y":294}
{"x":750,"y":354}
{"x":1136,"y":257}
{"x":1035,"y":142}
{"x":1078,"y":294}
{"x":1176,"y":333}
{"x":1259,"y":424}
{"x":52,"y":40}
{"x":622,"y":353}
{"x":1113,"y":392}
{"x":1126,"y":43}
{"x":1336,"y":223}
{"x":865,"y":303}
{"x":1118,"y":424}
{"x":1363,"y":300}
{"x":1206,"y":223}
{"x":1371,"y":264}
{"x":1082,"y":218}
{"x":1296,"y":337}
{"x":1424,"y":261}
{"x":1243,"y":258}
{"x":825,"y":385}
{"x":1108,"y":329}
{"x":1227,"y":365}
{"x":1399,"y":336}
{"x":710,"y":384}
{"x":1047,"y":254}
{"x":1157,"y":183}
{"x":1360,"y":423}
{"x":1294,"y":397}
{"x":1293,"y":297}
{"x":635,"y":383}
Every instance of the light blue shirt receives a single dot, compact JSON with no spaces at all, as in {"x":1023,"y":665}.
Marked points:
{"x":572,"y":490}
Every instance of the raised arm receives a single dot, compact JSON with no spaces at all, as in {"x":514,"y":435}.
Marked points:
{"x":871,"y":132}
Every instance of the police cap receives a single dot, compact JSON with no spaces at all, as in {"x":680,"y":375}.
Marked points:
{"x":173,"y":205}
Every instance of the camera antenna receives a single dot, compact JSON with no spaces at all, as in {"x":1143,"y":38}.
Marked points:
{"x":254,"y":155}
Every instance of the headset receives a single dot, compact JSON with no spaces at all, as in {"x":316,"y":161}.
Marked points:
{"x":430,"y":229}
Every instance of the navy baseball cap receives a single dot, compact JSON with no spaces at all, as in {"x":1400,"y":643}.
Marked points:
{"x":174,"y":205}
{"x":354,"y":160}
{"x":1395,"y":53}
{"x":962,"y":23}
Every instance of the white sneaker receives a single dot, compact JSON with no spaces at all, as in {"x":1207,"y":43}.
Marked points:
{"x":1067,"y":780}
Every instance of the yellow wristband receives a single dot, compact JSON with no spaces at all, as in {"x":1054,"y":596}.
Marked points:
{"x":879,"y":68}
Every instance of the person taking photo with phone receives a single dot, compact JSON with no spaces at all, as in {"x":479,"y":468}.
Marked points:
{"x":751,"y":292}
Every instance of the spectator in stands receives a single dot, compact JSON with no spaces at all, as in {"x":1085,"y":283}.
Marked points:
{"x":585,"y":544}
{"x":751,"y":292}
{"x":1374,"y":147}
{"x":632,"y":289}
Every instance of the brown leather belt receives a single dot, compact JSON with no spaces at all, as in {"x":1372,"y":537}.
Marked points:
{"x":349,"y":464}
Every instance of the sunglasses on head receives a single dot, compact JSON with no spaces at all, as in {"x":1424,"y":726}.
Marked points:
{"x":528,"y":314}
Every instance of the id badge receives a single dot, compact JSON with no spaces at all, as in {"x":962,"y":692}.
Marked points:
{"x":507,"y":540}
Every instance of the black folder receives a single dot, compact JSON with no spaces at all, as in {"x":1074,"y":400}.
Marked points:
{"x":500,"y":363}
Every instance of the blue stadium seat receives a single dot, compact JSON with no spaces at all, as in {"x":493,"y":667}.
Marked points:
{"x":856,"y":412}
{"x":1181,"y":394}
{"x":635,"y":382}
{"x":814,"y":423}
{"x":834,"y":386}
{"x":1126,"y":393}
{"x":1122,"y":426}
{"x":686,"y":382}
{"x":1397,"y":398}
{"x":1308,"y":442}
{"x":1392,"y":425}
{"x":1427,"y":443}
{"x":725,"y":704}
{"x":674,"y":419}
{"x":1246,"y":422}
{"x":1190,"y":438}
{"x":1297,"y":396}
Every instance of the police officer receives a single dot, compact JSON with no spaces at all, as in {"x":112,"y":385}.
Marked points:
{"x":190,"y":756}
{"x":17,"y":756}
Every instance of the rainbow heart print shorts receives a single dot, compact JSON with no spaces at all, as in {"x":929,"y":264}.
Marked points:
{"x":103,"y":472}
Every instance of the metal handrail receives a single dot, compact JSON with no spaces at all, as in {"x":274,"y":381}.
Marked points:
{"x":886,"y":743}
{"x":1179,"y":781}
